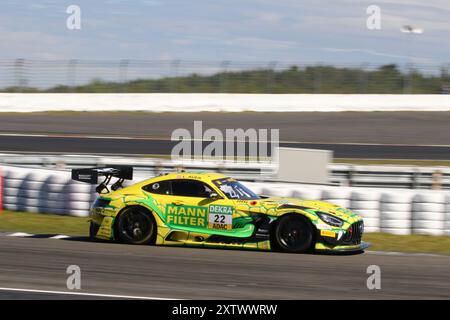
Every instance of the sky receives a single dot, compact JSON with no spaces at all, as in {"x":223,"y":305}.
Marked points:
{"x":306,"y":31}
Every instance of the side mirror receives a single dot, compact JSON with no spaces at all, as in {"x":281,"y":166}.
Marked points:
{"x":214,"y":195}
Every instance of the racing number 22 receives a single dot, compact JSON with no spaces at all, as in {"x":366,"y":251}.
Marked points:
{"x":219,"y":218}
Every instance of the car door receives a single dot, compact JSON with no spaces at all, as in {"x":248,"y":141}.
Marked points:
{"x":188,"y":205}
{"x":202,"y":202}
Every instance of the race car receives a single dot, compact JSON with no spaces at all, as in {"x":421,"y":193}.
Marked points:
{"x":205,"y":209}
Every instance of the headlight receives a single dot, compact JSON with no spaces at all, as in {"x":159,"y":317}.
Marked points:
{"x":329,"y":219}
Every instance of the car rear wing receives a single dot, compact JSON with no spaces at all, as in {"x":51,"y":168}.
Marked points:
{"x":91,"y":176}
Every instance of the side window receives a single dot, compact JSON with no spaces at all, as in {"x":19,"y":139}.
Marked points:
{"x":161,"y":187}
{"x":190,"y":188}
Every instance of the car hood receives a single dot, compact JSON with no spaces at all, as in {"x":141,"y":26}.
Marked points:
{"x":280,"y":204}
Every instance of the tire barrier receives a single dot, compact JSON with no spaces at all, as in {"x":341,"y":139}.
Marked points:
{"x":45,"y":191}
{"x":276,"y":191}
{"x":367,"y":204}
{"x":337,"y":196}
{"x":339,"y":202}
{"x":428,"y":213}
{"x":447,"y":216}
{"x":396,"y":211}
{"x":307,"y":193}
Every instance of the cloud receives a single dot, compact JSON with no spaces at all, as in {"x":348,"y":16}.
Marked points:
{"x":151,"y":3}
{"x":270,"y":17}
{"x":260,"y":43}
{"x":228,"y":29}
{"x":38,"y":6}
{"x":183,"y":42}
{"x":22,"y":43}
{"x":439,"y":5}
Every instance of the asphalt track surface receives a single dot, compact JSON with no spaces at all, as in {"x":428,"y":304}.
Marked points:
{"x":142,"y":146}
{"x":430,"y":128}
{"x":382,"y":135}
{"x":189,"y":273}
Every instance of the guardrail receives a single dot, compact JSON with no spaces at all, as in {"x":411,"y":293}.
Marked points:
{"x":146,"y":166}
{"x":390,"y":176}
{"x":384,"y":210}
{"x":387,"y":176}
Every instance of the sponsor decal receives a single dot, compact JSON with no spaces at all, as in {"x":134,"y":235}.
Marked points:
{"x":84,"y":176}
{"x":189,"y":216}
{"x":323,"y":226}
{"x":327,"y":233}
{"x":105,"y":230}
{"x":220,"y":217}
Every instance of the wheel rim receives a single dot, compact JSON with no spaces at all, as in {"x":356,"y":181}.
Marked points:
{"x":135,"y":226}
{"x":293,"y":233}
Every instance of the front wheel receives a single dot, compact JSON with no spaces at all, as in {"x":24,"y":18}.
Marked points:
{"x":136,"y":226}
{"x":292,"y":233}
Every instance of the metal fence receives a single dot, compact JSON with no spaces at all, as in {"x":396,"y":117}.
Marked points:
{"x":387,"y":176}
{"x":20,"y":75}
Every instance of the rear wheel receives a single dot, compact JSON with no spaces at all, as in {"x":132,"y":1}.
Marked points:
{"x":135,"y":225}
{"x":292,"y":233}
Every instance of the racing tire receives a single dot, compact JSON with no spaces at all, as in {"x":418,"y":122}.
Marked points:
{"x":307,"y":194}
{"x":357,"y":196}
{"x":371,"y":214}
{"x":429,"y":197}
{"x":136,"y":225}
{"x":364,"y":205}
{"x":292,"y":233}
{"x":428,"y":207}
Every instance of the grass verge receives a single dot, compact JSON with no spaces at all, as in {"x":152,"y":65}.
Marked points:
{"x":408,"y":243}
{"x":38,"y":223}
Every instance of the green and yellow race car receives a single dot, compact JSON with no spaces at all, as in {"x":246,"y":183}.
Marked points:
{"x":212,"y":210}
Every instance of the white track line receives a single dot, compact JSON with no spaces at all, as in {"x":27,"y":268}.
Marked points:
{"x":405,"y":254}
{"x":32,"y":135}
{"x":88,"y":294}
{"x":20,"y":234}
{"x":59,"y":236}
{"x":381,"y":253}
{"x":88,"y":136}
{"x":22,"y":135}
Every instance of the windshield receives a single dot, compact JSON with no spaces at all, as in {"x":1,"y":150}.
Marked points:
{"x":235,"y":190}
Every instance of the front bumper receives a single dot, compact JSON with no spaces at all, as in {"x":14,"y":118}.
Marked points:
{"x":342,"y":248}
{"x":345,"y":238}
